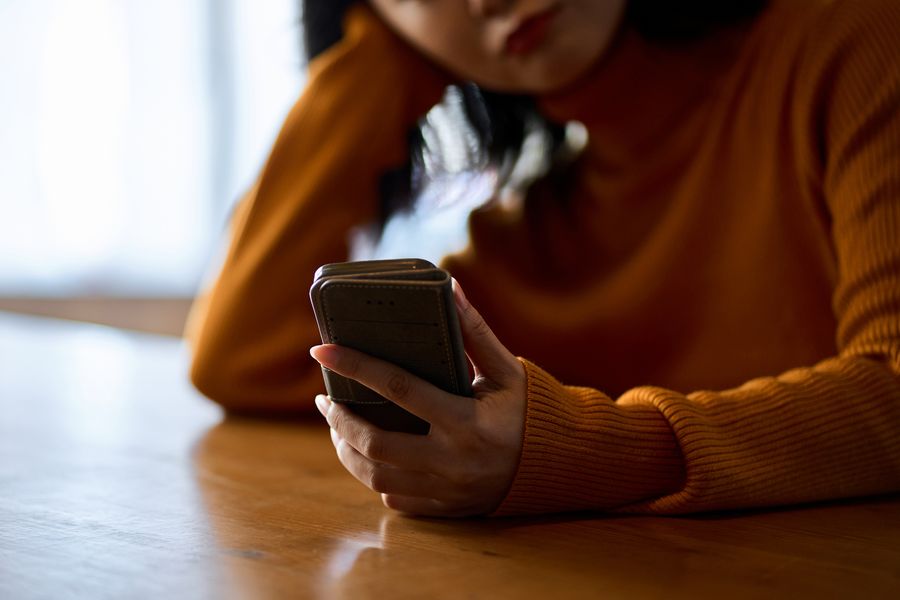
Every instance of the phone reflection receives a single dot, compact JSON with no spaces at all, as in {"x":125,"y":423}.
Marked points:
{"x":288,"y":520}
{"x":284,"y":513}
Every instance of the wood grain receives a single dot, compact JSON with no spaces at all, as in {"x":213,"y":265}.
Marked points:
{"x":118,"y":480}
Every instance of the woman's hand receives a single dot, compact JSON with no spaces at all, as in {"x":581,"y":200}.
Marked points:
{"x":466,"y":463}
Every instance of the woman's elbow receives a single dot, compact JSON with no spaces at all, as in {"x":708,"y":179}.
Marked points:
{"x":210,"y":378}
{"x":241,"y":389}
{"x":210,"y":371}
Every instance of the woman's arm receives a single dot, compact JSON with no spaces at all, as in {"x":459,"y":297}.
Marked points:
{"x":826,"y":431}
{"x":251,"y":331}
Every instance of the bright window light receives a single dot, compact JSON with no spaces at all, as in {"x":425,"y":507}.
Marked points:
{"x":128,"y":129}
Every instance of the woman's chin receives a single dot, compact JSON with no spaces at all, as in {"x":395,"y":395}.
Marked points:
{"x":536,"y":80}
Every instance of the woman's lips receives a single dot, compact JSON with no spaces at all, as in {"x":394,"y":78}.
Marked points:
{"x":531,"y":33}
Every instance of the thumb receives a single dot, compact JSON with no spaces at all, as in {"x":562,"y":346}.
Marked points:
{"x":490,"y":357}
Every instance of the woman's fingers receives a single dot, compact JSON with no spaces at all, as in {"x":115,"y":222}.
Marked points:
{"x":383,"y":478}
{"x":402,"y":450}
{"x":408,"y":391}
{"x":490,"y":356}
{"x":465,"y":464}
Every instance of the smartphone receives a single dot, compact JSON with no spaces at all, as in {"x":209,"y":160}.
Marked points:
{"x":399,"y":310}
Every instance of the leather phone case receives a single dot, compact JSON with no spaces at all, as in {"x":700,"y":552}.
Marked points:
{"x":399,"y":310}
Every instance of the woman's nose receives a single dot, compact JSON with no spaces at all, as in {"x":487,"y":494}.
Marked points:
{"x":488,"y":8}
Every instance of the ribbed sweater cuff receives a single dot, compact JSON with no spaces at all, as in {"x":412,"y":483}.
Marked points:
{"x":582,"y":451}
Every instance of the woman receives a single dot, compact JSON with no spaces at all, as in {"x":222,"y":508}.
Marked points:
{"x":730,"y":226}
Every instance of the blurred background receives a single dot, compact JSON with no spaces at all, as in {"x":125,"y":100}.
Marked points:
{"x":128,"y":130}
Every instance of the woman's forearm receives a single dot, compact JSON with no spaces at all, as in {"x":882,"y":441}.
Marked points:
{"x":251,"y":332}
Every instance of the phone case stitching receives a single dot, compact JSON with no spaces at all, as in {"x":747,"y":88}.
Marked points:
{"x":441,"y":306}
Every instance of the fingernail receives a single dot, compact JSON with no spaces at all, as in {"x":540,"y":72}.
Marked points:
{"x":322,"y":404}
{"x":323,"y":354}
{"x":461,"y":300}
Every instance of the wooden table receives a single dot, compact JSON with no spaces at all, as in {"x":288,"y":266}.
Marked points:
{"x":118,"y":481}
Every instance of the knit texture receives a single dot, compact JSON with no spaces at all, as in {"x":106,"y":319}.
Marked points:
{"x":250,"y":333}
{"x":710,"y":316}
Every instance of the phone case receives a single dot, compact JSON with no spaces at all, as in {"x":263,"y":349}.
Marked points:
{"x":399,"y":310}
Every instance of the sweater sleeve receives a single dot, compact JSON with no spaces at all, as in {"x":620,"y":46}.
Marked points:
{"x":251,"y":331}
{"x":827,"y":431}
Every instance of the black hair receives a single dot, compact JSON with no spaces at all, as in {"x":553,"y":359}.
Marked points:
{"x":499,"y":121}
{"x":665,"y":20}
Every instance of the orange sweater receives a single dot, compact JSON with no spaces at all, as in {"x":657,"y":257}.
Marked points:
{"x":733,"y":227}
